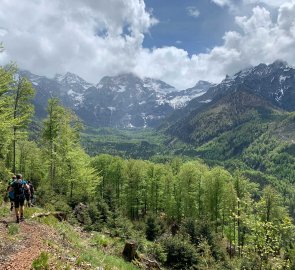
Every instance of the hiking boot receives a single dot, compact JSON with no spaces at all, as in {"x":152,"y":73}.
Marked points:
{"x":22,"y":218}
{"x":17,"y":220}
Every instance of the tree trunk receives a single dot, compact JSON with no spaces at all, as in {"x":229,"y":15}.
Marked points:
{"x":14,"y":150}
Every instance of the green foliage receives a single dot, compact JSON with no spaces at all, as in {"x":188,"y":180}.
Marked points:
{"x":13,"y":229}
{"x":6,"y":109}
{"x":100,"y":240}
{"x":120,"y":226}
{"x":154,"y":228}
{"x":181,"y":254}
{"x":232,"y":143}
{"x":4,"y":211}
{"x":41,"y":263}
{"x":123,"y":142}
{"x":156,"y":251}
{"x":227,"y":217}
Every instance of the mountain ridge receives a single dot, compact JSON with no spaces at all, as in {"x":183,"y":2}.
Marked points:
{"x":116,"y":101}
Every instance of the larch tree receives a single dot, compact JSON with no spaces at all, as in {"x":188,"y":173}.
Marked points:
{"x":23,"y":110}
{"x":6,"y":109}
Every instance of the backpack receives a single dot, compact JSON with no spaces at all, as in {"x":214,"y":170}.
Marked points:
{"x":10,"y":193}
{"x":19,"y":188}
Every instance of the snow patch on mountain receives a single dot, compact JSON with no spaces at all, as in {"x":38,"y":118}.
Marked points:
{"x":158,"y":86}
{"x":77,"y":97}
{"x":119,"y":101}
{"x":122,"y":88}
{"x":283,"y":78}
{"x":181,"y":101}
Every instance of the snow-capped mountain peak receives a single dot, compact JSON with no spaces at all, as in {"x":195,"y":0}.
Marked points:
{"x":72,"y":79}
{"x":124,"y":100}
{"x":275,"y":82}
{"x":158,"y":86}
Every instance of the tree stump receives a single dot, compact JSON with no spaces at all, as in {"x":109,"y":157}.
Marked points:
{"x":129,"y":252}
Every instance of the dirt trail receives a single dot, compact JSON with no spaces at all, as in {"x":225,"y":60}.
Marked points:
{"x":18,"y":251}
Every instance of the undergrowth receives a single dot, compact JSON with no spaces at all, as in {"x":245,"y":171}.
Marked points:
{"x":93,"y":249}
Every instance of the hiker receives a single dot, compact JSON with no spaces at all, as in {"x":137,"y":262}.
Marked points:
{"x":19,"y":187}
{"x":11,"y":193}
{"x":29,"y":194}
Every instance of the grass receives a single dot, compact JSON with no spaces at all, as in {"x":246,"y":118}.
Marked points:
{"x":4,"y":211}
{"x":88,"y":250}
{"x":41,"y":263}
{"x":13,"y":229}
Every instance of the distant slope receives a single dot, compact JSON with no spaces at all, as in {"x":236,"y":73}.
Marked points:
{"x":275,"y":83}
{"x":246,"y":121}
{"x":222,"y":114}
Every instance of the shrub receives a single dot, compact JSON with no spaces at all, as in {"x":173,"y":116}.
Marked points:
{"x":156,"y":251}
{"x":198,"y":230}
{"x":181,"y":254}
{"x":100,"y":240}
{"x":153,"y":228}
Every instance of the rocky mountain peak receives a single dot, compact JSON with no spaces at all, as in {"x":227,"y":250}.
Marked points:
{"x":71,"y":79}
{"x":124,"y":100}
{"x":279,"y":64}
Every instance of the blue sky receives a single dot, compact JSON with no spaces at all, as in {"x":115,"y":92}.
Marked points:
{"x":177,"y":41}
{"x":178,"y":28}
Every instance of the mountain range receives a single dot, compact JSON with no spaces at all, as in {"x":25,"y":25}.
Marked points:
{"x":275,"y":83}
{"x":253,"y":108}
{"x":247,"y":119}
{"x":196,"y":115}
{"x":120,"y":101}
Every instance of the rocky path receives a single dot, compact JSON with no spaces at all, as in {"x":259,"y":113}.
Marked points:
{"x":21,"y":243}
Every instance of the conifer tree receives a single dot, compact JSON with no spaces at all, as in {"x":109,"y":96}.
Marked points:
{"x":22,"y":110}
{"x":6,"y":109}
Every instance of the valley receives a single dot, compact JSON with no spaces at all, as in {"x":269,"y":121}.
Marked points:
{"x":178,"y":181}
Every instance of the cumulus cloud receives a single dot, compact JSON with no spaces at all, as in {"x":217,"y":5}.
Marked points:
{"x":91,"y":38}
{"x":193,"y":11}
{"x":98,"y":38}
{"x":260,"y":40}
{"x":273,"y":3}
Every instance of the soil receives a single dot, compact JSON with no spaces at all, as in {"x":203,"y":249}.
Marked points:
{"x":19,"y":250}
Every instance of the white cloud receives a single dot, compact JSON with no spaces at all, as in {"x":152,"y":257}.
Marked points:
{"x":222,"y":2}
{"x":91,"y":38}
{"x":260,"y":40}
{"x":236,"y":6}
{"x":193,"y":12}
{"x":273,"y":3}
{"x":98,"y":38}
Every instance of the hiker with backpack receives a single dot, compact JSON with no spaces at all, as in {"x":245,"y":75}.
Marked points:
{"x":19,"y":187}
{"x":11,"y":193}
{"x":29,"y":194}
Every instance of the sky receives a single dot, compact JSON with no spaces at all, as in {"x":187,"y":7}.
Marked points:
{"x":177,"y":41}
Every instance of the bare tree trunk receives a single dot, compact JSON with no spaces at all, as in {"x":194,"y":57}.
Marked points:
{"x":14,"y":151}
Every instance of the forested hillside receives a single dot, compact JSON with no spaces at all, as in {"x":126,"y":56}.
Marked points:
{"x":246,"y":126}
{"x":181,"y":214}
